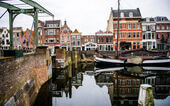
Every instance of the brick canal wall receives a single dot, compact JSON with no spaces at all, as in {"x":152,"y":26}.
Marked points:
{"x":21,"y":78}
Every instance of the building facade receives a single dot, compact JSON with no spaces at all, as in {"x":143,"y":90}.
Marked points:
{"x":28,"y":40}
{"x":4,"y":39}
{"x":52,"y":32}
{"x":148,"y":33}
{"x":41,"y":33}
{"x":65,"y":37}
{"x":88,"y":42}
{"x":162,"y":33}
{"x":130,"y":29}
{"x":17,"y":37}
{"x":76,"y":40}
{"x":104,"y":41}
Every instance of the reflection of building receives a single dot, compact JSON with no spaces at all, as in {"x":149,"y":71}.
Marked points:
{"x":125,"y":90}
{"x":104,"y":79}
{"x":77,"y":80}
{"x":160,"y":84}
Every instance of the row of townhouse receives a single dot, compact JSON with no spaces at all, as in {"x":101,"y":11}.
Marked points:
{"x":21,"y":39}
{"x":134,"y":32}
{"x":137,"y":32}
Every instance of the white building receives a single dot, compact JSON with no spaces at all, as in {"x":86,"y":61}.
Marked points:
{"x":148,"y":33}
{"x":5,"y":38}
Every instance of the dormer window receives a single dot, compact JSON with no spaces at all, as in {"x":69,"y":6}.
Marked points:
{"x":147,"y":19}
{"x":121,"y":14}
{"x":131,"y":14}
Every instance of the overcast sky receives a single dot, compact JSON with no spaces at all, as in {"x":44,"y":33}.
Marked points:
{"x":88,"y":16}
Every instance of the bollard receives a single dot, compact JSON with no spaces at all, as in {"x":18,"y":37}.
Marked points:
{"x":146,"y":95}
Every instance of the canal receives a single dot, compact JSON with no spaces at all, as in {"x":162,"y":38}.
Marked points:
{"x":116,"y":86}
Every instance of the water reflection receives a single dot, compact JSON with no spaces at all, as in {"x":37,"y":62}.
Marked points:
{"x":104,"y":87}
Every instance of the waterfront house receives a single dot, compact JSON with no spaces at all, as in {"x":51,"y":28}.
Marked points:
{"x":162,"y":33}
{"x":4,"y":38}
{"x":104,"y":41}
{"x":76,"y":40}
{"x":148,"y":33}
{"x":17,"y":37}
{"x":52,"y":33}
{"x":65,"y":36}
{"x":41,"y":33}
{"x":130,"y":29}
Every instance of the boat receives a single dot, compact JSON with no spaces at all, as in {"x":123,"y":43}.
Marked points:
{"x":102,"y":62}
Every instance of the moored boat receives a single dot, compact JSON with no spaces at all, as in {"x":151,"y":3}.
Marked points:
{"x":102,"y":62}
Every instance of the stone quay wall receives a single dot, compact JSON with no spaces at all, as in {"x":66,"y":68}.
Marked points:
{"x":21,"y":78}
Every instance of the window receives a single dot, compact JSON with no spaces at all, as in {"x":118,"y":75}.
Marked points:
{"x":131,"y":14}
{"x":138,"y":45}
{"x":138,"y":34}
{"x":68,"y":37}
{"x":134,"y":26}
{"x":158,"y":35}
{"x":124,"y":26}
{"x":153,"y":35}
{"x":78,"y":43}
{"x":153,"y":27}
{"x":163,"y":27}
{"x":168,"y":27}
{"x":7,"y":42}
{"x":73,"y":37}
{"x":129,"y":35}
{"x":115,"y":26}
{"x":144,"y":28}
{"x":168,"y":35}
{"x":121,"y":14}
{"x":129,"y":26}
{"x":62,"y":37}
{"x":120,"y":26}
{"x":17,"y":34}
{"x":73,"y":43}
{"x":134,"y":34}
{"x":51,"y":31}
{"x":158,"y":27}
{"x":78,"y":37}
{"x":7,"y":35}
{"x":138,"y":27}
{"x":134,"y":45}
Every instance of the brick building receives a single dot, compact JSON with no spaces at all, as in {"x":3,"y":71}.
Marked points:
{"x":28,"y":40}
{"x":148,"y":33}
{"x":41,"y":33}
{"x":104,"y":41}
{"x":52,"y":32}
{"x":88,"y":42}
{"x":162,"y":33}
{"x":17,"y":36}
{"x":76,"y":40}
{"x":130,"y":29}
{"x":65,"y":36}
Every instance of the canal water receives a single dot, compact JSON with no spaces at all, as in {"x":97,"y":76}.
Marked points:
{"x":116,"y":86}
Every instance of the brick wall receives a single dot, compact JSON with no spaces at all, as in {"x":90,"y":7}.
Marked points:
{"x":21,"y":78}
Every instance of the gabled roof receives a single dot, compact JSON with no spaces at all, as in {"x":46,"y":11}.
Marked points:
{"x":76,"y":31}
{"x":136,"y":13}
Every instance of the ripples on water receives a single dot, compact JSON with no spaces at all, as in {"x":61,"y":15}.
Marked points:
{"x":85,"y":86}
